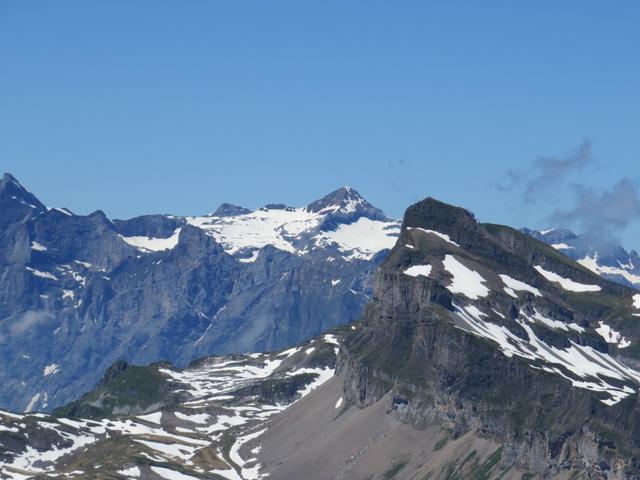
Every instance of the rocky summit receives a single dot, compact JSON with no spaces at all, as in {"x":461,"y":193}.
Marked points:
{"x":484,"y":354}
{"x":80,"y":292}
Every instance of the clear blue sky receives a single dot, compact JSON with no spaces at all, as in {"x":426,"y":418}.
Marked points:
{"x":164,"y":106}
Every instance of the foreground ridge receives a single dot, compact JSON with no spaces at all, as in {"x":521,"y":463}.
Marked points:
{"x":200,"y":422}
{"x":484,"y":353}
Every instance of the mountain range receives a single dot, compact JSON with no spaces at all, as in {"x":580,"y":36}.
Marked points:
{"x":483,"y":353}
{"x":80,"y":292}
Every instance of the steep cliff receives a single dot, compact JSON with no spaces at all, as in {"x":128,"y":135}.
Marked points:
{"x":480,"y":328}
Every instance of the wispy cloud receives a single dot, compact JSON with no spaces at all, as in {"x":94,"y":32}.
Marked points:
{"x":29,"y":320}
{"x":546,"y":172}
{"x":602,"y":212}
{"x":550,"y":171}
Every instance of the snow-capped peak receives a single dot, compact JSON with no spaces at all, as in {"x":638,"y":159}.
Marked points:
{"x":345,"y":200}
{"x":341,"y":219}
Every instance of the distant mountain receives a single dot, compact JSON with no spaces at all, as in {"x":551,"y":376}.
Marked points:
{"x":78,"y":293}
{"x":604,"y":257}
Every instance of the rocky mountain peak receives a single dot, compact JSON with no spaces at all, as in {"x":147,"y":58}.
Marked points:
{"x":277,"y":206}
{"x":12,"y":189}
{"x":432,"y":214}
{"x":16,"y":202}
{"x":338,"y":198}
{"x":346,"y":201}
{"x":230,"y":210}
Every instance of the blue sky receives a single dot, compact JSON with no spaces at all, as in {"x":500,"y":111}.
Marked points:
{"x":151,"y":106}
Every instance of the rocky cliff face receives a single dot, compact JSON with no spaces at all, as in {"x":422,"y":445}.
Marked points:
{"x":480,"y":328}
{"x":78,"y":293}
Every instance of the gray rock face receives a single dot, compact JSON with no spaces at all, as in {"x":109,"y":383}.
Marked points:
{"x":78,"y":293}
{"x":230,"y":210}
{"x":462,"y":346}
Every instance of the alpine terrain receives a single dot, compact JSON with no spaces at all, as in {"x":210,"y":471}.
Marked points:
{"x":160,"y":422}
{"x":484,"y":353}
{"x":78,"y":293}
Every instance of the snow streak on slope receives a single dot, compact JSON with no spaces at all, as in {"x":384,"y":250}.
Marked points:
{"x":536,"y":324}
{"x":584,"y":366}
{"x":512,"y":285}
{"x":223,"y":416}
{"x":566,"y":283}
{"x":591,"y":262}
{"x":442,"y":236}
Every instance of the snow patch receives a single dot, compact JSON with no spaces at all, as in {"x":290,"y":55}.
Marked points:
{"x":611,"y":336}
{"x":41,"y":274}
{"x":465,"y":281}
{"x":254,"y":256}
{"x":443,"y":236}
{"x":154,"y":417}
{"x":562,"y":246}
{"x":200,"y":418}
{"x":50,"y":369}
{"x":551,"y":323}
{"x":62,"y":210}
{"x":566,"y":283}
{"x":513,"y":284}
{"x":38,"y":247}
{"x":592,"y":264}
{"x":171,"y":474}
{"x":417,"y":270}
{"x":153,"y":244}
{"x":130,"y":472}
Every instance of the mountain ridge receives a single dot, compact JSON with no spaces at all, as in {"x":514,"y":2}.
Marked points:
{"x":80,"y":292}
